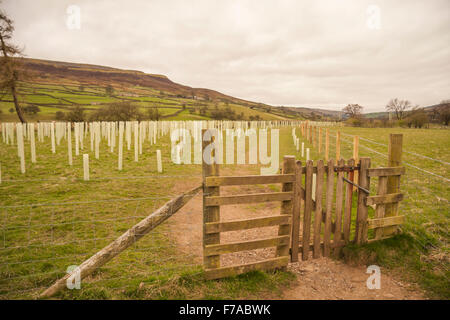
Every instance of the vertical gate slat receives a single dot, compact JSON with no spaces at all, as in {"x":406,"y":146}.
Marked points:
{"x":308,"y":208}
{"x":329,"y":208}
{"x":318,"y":212}
{"x":361,"y":216}
{"x":339,"y":197}
{"x":348,"y":203}
{"x":296,"y":211}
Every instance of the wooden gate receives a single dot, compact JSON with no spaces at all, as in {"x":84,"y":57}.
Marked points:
{"x":334,"y":208}
{"x":322,"y":209}
{"x":213,"y":227}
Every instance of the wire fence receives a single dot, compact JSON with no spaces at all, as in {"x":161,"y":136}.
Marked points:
{"x":40,"y":240}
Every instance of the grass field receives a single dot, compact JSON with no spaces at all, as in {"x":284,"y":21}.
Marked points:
{"x":51,"y":218}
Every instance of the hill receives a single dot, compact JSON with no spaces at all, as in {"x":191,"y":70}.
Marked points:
{"x":54,"y":86}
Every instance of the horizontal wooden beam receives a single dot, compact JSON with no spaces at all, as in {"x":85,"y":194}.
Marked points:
{"x":214,"y":227}
{"x":385,"y":222}
{"x":387,"y":171}
{"x":383,"y":199}
{"x":247,"y":198}
{"x":335,"y":169}
{"x":239,"y":269}
{"x":216,"y":249}
{"x":246,"y":180}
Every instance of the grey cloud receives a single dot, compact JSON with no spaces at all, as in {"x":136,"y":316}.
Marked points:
{"x":302,"y":53}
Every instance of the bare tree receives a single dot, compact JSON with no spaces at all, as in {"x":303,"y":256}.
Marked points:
{"x":399,"y":107}
{"x":353,"y":110}
{"x":9,"y":64}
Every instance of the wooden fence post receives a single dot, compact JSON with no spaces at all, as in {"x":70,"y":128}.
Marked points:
{"x":393,"y":182}
{"x":361,"y":215}
{"x":327,"y":144}
{"x":320,"y":140}
{"x":338,"y":146}
{"x":356,"y":157}
{"x":210,"y":213}
{"x":286,"y":205}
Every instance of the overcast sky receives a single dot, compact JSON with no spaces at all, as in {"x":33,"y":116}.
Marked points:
{"x":300,"y":53}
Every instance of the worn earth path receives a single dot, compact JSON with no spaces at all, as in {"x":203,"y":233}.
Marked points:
{"x":323,"y":278}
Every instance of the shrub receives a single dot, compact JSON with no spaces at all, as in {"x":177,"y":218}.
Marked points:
{"x":59,"y":115}
{"x":119,"y":111}
{"x":76,"y":115}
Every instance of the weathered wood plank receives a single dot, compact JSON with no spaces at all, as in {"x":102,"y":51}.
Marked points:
{"x":329,"y":208}
{"x":215,"y":249}
{"x":247,"y":198}
{"x":268,"y":264}
{"x":387,"y":171}
{"x":380,"y":208}
{"x":318,"y":209}
{"x":361,"y":216}
{"x":248,"y":180}
{"x":296,"y":211}
{"x":384,"y":199}
{"x":348,"y":203}
{"x":308,"y":208}
{"x":385,"y":222}
{"x":213,"y":227}
{"x":338,"y":211}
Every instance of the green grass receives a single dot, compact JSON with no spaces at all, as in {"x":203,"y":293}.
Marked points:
{"x":76,"y":218}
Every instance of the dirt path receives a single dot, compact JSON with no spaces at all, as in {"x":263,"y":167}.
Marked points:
{"x":322,"y":278}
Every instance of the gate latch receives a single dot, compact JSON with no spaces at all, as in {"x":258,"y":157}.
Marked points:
{"x":358,"y":186}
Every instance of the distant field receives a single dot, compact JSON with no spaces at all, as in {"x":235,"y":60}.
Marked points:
{"x":52,"y":98}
